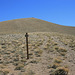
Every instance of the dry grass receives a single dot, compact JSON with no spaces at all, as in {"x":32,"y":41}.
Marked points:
{"x":46,"y":52}
{"x":57,"y":60}
{"x":60,"y":71}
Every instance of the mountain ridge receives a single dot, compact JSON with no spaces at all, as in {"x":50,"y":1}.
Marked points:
{"x":33,"y":25}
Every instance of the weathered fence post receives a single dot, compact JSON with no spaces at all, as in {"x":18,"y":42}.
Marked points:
{"x":27,"y":45}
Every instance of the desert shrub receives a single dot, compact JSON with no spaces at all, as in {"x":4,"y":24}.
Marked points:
{"x":71,"y":44}
{"x":6,"y":71}
{"x":6,"y":62}
{"x":7,"y":52}
{"x":30,"y":72}
{"x":57,"y":60}
{"x":19,"y":67}
{"x":60,"y":71}
{"x":1,"y":72}
{"x":15,"y":63}
{"x":61,"y":50}
{"x":63,"y":53}
{"x":50,"y":50}
{"x":49,"y":66}
{"x":34,"y":61}
{"x":46,"y":47}
{"x":23,"y":60}
{"x":22,"y":70}
{"x":56,"y":48}
{"x":55,"y":65}
{"x":12,"y":51}
{"x":16,"y":59}
{"x":38,"y":52}
{"x":4,"y":46}
{"x":23,"y":56}
{"x":1,"y":61}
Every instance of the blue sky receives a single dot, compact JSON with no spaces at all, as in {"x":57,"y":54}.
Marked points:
{"x":56,"y":11}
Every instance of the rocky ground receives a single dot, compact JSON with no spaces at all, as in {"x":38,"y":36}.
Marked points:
{"x":47,"y":52}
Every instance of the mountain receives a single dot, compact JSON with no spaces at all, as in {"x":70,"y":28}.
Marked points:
{"x":33,"y":25}
{"x":51,"y":52}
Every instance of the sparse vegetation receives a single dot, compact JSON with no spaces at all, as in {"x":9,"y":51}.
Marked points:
{"x":19,"y":67}
{"x":47,"y":51}
{"x":60,"y":71}
{"x":55,"y":65}
{"x":57,"y":60}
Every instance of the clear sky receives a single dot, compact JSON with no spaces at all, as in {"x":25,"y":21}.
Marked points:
{"x":56,"y":11}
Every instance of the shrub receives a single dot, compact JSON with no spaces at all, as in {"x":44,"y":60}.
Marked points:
{"x":63,"y":53}
{"x":60,"y":71}
{"x":19,"y":67}
{"x":38,"y":51}
{"x":1,"y":72}
{"x":23,"y":60}
{"x":6,"y":71}
{"x":34,"y":61}
{"x":16,"y":59}
{"x":55,"y":65}
{"x":61,"y":50}
{"x":31,"y":72}
{"x":57,"y":60}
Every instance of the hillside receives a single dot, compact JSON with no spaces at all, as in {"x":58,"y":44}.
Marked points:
{"x":51,"y":49}
{"x":48,"y":52}
{"x":33,"y":25}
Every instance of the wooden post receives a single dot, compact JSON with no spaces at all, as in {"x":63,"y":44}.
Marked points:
{"x":27,"y":45}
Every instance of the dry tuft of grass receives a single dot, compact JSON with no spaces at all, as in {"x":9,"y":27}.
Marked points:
{"x":60,"y":71}
{"x":57,"y":60}
{"x":55,"y":65}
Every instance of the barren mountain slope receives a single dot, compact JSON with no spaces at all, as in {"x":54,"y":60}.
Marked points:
{"x":33,"y":25}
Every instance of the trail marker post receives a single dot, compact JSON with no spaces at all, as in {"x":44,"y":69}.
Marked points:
{"x":27,"y":45}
